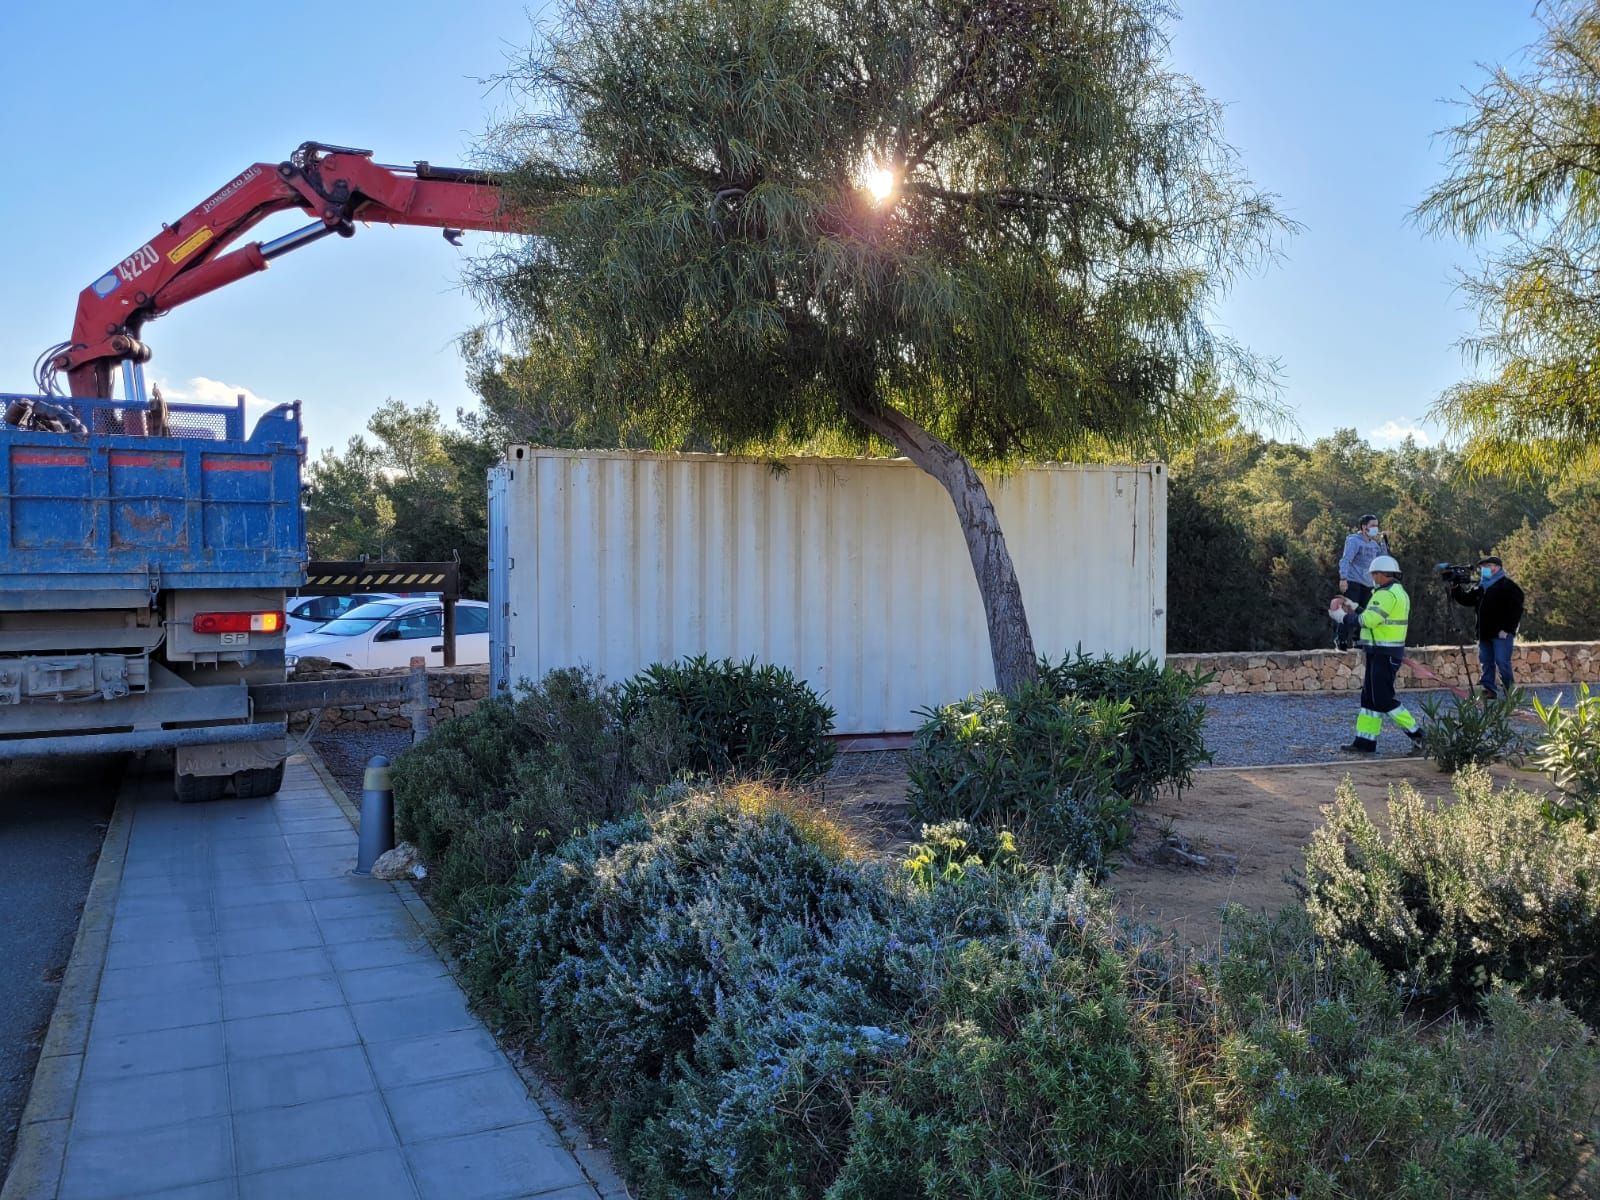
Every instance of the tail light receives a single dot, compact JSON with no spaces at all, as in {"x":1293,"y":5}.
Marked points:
{"x":239,"y":622}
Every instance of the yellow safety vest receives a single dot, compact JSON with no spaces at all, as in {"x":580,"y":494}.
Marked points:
{"x":1383,"y":620}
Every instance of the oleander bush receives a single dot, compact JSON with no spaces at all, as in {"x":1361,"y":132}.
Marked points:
{"x":515,"y":777}
{"x":726,"y":717}
{"x":1455,"y":898}
{"x":1034,"y":762}
{"x":1569,"y":752}
{"x":1165,"y":732}
{"x":1472,"y":730}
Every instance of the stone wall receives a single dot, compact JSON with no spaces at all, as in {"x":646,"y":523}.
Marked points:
{"x":1340,"y":671}
{"x":453,"y":692}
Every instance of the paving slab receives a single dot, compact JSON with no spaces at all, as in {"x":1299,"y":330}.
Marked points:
{"x":250,"y":1019}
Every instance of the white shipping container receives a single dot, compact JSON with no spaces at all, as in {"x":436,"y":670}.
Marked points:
{"x":851,"y":572}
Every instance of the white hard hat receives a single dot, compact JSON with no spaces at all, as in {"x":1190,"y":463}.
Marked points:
{"x":1386,"y":564}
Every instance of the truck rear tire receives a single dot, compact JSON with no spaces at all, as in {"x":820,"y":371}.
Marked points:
{"x":258,"y":782}
{"x":198,"y":789}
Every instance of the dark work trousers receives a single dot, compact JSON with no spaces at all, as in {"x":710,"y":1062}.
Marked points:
{"x":1377,"y":685}
{"x":1360,"y":593}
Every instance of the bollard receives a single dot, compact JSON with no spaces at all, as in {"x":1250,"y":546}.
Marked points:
{"x":377,"y":815}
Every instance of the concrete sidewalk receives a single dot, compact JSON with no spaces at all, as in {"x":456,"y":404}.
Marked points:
{"x":243,"y":1018}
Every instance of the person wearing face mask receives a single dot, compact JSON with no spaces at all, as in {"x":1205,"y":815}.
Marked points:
{"x":1499,"y":605}
{"x":1355,"y":568}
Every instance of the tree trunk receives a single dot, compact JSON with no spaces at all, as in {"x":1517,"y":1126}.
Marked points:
{"x":1010,"y":640}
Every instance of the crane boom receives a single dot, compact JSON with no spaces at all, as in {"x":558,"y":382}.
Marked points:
{"x":335,"y":185}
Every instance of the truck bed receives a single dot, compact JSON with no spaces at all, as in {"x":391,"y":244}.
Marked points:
{"x":102,"y":518}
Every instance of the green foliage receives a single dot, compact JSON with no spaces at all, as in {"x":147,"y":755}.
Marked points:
{"x":1569,"y":753}
{"x":1062,"y":760}
{"x":1460,"y":896}
{"x":732,"y":716}
{"x":1032,"y":1070}
{"x":709,"y":253}
{"x":514,"y":778}
{"x":1556,"y":565}
{"x":1472,"y":729}
{"x":1256,"y":529}
{"x":1165,"y":732}
{"x":1522,"y":180}
{"x":1036,"y":762}
{"x":753,"y":1015}
{"x":414,"y":493}
{"x":1321,"y":1087}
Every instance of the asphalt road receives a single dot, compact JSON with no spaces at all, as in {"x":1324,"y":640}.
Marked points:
{"x":52,"y":818}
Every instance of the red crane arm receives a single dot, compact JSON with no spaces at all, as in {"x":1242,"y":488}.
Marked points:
{"x":335,"y":185}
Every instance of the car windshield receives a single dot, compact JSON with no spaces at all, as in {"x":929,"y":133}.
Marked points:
{"x":358,"y":620}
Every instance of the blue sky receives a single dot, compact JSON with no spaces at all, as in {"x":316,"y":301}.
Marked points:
{"x":132,"y":116}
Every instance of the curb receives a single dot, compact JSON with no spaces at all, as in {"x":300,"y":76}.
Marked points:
{"x":40,"y":1152}
{"x":594,"y":1161}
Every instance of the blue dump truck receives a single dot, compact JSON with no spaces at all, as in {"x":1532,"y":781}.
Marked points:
{"x":145,"y":554}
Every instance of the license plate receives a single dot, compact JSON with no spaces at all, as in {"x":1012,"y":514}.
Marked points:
{"x":235,"y":639}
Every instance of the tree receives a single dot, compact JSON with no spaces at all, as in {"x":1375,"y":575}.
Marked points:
{"x":976,"y":231}
{"x":415,"y":493}
{"x":1525,"y":172}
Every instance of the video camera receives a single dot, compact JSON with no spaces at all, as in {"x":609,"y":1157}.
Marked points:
{"x":1457,"y":574}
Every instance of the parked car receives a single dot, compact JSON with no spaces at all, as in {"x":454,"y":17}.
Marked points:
{"x":312,"y":612}
{"x":389,"y":633}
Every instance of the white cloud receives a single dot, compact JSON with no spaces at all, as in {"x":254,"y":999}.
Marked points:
{"x":1392,"y":433}
{"x":201,"y":390}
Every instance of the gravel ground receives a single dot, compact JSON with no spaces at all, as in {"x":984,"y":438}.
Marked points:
{"x":346,"y":754}
{"x":1262,"y":730}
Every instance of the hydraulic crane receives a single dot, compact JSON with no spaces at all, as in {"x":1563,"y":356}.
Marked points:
{"x":336,"y":185}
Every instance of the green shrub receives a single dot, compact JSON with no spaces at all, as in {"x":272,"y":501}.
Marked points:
{"x":515,"y":777}
{"x":1471,"y":729}
{"x":1032,"y":1072}
{"x":1459,"y":896}
{"x":1037,"y":763}
{"x":1166,"y":723}
{"x":729,"y":717}
{"x":1569,"y":753}
{"x":1316,"y":1084}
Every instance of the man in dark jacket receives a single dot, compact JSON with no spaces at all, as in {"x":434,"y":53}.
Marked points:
{"x":1499,"y":605}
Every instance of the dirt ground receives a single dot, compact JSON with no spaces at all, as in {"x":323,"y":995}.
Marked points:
{"x":1233,"y":838}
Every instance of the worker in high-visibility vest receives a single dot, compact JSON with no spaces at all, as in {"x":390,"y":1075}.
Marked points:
{"x":1381,"y":626}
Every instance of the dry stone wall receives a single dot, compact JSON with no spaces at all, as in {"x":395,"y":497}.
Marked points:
{"x":451,"y":693}
{"x":1340,"y":671}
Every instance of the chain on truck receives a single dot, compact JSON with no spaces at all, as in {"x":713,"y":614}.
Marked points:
{"x":147,"y":547}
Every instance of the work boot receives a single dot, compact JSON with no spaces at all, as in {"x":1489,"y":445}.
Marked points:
{"x":1416,"y":741}
{"x":1361,"y":746}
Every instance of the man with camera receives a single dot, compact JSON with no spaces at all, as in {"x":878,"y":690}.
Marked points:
{"x":1381,"y":627}
{"x":1499,"y":605}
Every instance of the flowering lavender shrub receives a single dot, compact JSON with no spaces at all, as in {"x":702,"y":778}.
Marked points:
{"x":1459,"y":896}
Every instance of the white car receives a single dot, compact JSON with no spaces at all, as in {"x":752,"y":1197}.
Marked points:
{"x":306,"y":613}
{"x":389,"y":633}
